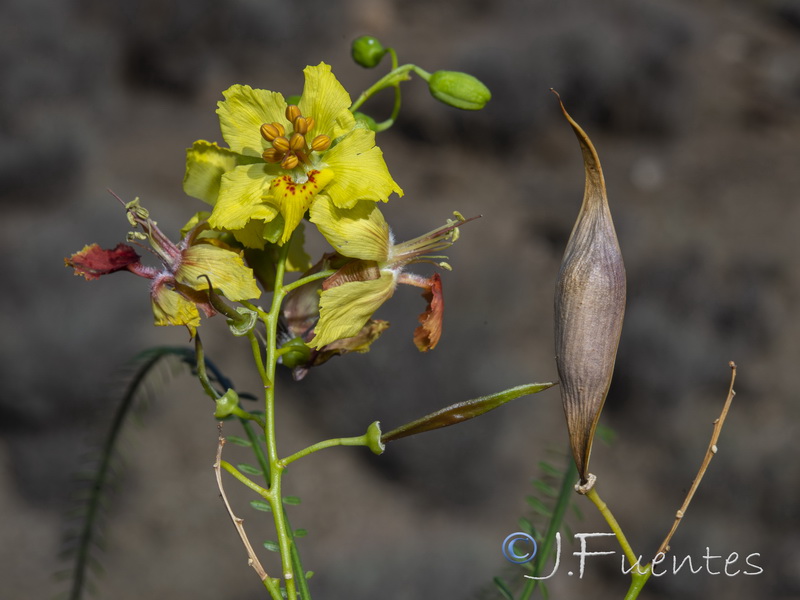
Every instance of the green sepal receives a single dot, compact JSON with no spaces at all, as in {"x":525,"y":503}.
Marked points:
{"x":459,"y":90}
{"x":226,"y":404}
{"x":463,"y":411}
{"x":373,"y":437}
{"x":245,"y":323}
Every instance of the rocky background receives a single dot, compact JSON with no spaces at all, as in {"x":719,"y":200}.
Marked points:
{"x":695,"y":110}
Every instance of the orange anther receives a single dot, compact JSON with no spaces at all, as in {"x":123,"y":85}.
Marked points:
{"x":297,"y":142}
{"x":289,"y":162}
{"x":292,"y":112}
{"x":321,"y":143}
{"x":281,"y":144}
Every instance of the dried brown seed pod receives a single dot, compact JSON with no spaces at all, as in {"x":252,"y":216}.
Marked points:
{"x":589,"y":308}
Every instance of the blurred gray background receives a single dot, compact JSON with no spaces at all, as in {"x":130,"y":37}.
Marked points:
{"x":695,"y":111}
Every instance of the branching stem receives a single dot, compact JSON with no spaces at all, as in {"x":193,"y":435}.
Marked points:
{"x":271,"y":584}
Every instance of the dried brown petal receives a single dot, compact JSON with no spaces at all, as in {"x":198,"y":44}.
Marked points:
{"x":93,"y":261}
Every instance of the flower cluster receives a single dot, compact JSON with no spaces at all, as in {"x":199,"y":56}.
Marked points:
{"x":285,"y":163}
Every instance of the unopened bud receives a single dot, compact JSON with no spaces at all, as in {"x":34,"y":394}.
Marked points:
{"x":459,"y":90}
{"x":367,"y":51}
{"x":298,"y":354}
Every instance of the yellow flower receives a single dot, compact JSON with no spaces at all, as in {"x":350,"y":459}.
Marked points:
{"x":283,"y":158}
{"x":179,"y":288}
{"x":361,"y":286}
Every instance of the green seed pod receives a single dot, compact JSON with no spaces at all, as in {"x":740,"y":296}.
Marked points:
{"x":459,"y":90}
{"x":367,"y":51}
{"x":589,"y":308}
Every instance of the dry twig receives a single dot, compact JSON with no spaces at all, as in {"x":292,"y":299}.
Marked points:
{"x":710,"y":452}
{"x":237,"y":522}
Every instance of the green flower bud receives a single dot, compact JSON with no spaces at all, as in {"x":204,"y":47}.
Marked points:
{"x":367,"y":51}
{"x":459,"y":90}
{"x":226,"y":404}
{"x":298,"y":355}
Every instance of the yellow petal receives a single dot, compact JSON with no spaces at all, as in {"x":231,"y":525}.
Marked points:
{"x":346,"y":308}
{"x":358,"y":232}
{"x":257,"y":233}
{"x":361,"y":172}
{"x":243,"y":112}
{"x":225,"y":268}
{"x":293,"y":199}
{"x":170,"y":308}
{"x":205,"y":164}
{"x":326,"y":100}
{"x":196,"y":219}
{"x":241,"y":197}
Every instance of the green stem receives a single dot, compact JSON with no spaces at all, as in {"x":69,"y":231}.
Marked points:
{"x":559,"y":512}
{"x":639,"y":575}
{"x":307,"y":279}
{"x":257,"y":356}
{"x":266,"y":494}
{"x":392,"y":78}
{"x":285,"y":542}
{"x":297,"y":563}
{"x":238,"y":411}
{"x":360,"y":440}
{"x":637,"y":583}
{"x":613,"y":524}
{"x":257,"y":449}
{"x":202,"y":374}
{"x":256,"y":309}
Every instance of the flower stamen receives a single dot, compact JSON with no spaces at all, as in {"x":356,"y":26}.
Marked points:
{"x":293,"y":112}
{"x":270,"y":131}
{"x":292,"y":150}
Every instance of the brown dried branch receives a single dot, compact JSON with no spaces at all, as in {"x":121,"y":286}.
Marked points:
{"x":237,"y":522}
{"x":710,"y":452}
